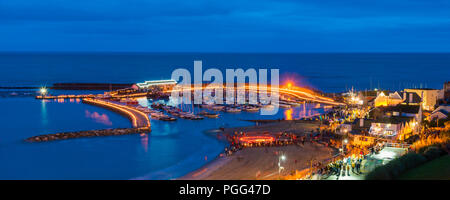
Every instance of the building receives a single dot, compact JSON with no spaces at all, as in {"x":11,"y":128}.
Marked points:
{"x":393,"y":127}
{"x":441,"y":112}
{"x":160,"y":84}
{"x":411,"y":98}
{"x":363,"y":140}
{"x":444,"y":94}
{"x":429,"y":97}
{"x":388,"y":100}
{"x":403,"y":110}
{"x":361,"y":125}
{"x":446,"y":90}
{"x":438,"y":115}
{"x":393,"y":99}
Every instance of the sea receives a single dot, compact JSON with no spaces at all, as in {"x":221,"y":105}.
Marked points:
{"x":172,"y":149}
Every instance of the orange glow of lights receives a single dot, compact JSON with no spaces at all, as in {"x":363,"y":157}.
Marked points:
{"x":124,"y":110}
{"x":288,"y":114}
{"x":256,"y":139}
{"x":289,"y":84}
{"x":295,"y":92}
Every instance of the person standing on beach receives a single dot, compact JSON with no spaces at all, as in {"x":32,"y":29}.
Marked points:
{"x":344,"y":167}
{"x":349,"y":165}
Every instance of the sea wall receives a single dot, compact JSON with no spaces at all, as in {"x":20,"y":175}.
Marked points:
{"x":121,"y":112}
{"x":91,"y":133}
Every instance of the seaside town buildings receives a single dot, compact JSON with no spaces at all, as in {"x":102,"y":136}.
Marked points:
{"x":391,"y":99}
{"x":441,"y":112}
{"x":397,"y":115}
{"x":444,"y":94}
{"x":395,"y":98}
{"x":429,"y":97}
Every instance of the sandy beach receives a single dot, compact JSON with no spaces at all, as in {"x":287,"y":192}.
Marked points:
{"x":261,"y":163}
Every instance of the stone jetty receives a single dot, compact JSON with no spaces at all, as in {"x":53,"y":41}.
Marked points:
{"x":90,"y":133}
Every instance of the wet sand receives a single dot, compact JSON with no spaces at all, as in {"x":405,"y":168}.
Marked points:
{"x":261,"y":163}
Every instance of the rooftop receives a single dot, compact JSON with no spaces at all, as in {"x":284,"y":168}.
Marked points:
{"x":155,"y":83}
{"x":420,"y":89}
{"x":393,"y":120}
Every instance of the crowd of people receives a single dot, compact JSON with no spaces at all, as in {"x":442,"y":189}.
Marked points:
{"x":281,"y":139}
{"x":340,"y":167}
{"x":348,"y":165}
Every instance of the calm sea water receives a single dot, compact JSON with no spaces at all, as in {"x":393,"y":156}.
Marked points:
{"x":327,"y":72}
{"x":173,"y":148}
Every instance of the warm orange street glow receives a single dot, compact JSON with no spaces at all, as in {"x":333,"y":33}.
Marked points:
{"x":289,"y":85}
{"x":295,"y":92}
{"x":256,"y":139}
{"x":124,"y":110}
{"x":288,"y":114}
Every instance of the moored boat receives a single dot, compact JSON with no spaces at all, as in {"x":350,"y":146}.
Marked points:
{"x":232,"y":110}
{"x":217,"y":107}
{"x":250,"y":109}
{"x":209,"y":115}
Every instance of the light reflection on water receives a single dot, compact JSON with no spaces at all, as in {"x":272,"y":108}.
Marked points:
{"x":44,"y":113}
{"x":99,"y":118}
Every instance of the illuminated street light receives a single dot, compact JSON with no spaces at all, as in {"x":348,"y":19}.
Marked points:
{"x":280,"y":158}
{"x":344,"y":142}
{"x":43,"y":91}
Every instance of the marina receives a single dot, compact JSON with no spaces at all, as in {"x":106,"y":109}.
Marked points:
{"x":224,"y":90}
{"x":151,"y":126}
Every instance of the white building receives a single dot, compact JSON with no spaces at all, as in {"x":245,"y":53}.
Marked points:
{"x":440,"y":112}
{"x":157,"y":83}
{"x":429,"y":97}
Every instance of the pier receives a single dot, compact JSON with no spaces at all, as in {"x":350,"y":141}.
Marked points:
{"x":63,"y":96}
{"x":297,"y":94}
{"x":137,"y":117}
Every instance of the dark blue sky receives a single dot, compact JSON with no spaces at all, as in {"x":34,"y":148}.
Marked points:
{"x":225,"y":25}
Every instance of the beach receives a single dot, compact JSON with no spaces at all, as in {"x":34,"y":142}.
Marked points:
{"x":261,"y":163}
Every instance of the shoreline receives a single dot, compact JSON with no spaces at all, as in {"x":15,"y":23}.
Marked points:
{"x":212,"y":165}
{"x":261,"y":162}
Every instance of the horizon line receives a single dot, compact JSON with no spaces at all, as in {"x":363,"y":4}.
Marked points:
{"x":231,"y":52}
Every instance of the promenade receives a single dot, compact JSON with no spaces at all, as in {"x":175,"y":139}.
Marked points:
{"x":137,"y":118}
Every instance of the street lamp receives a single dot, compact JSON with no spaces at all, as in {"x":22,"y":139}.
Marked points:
{"x":344,"y":142}
{"x":280,"y":158}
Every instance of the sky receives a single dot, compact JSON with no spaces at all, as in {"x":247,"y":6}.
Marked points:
{"x":225,"y":25}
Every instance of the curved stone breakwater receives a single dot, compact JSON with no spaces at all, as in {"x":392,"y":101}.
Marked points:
{"x":137,"y":118}
{"x":91,"y":133}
